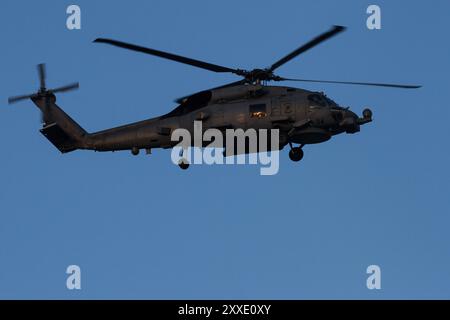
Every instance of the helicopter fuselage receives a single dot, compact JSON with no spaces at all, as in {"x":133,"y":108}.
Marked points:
{"x":301,"y":116}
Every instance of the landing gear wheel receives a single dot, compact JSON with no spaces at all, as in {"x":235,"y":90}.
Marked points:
{"x":183,"y":164}
{"x":296,"y":154}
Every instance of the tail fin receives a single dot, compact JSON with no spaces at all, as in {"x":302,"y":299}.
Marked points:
{"x":59,"y":128}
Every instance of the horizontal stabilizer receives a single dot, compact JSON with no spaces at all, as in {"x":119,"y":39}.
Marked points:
{"x":59,"y":138}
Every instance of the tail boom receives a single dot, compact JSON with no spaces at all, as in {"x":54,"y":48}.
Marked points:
{"x":59,"y":128}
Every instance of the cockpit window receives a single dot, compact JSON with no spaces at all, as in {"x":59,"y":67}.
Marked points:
{"x":317,"y":99}
{"x":331,"y":103}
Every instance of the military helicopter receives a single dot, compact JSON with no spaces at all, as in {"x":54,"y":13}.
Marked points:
{"x":301,"y":116}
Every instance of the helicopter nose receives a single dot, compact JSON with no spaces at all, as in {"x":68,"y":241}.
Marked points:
{"x":350,"y":122}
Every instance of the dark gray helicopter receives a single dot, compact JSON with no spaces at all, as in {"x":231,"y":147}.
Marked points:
{"x":302,"y":117}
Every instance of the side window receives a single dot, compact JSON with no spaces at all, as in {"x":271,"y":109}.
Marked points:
{"x":258,"y":110}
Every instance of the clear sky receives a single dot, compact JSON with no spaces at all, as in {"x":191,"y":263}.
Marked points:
{"x":139,"y":227}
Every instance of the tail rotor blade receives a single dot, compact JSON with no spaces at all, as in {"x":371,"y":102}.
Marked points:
{"x":15,"y":99}
{"x":42,"y":75}
{"x":72,"y":86}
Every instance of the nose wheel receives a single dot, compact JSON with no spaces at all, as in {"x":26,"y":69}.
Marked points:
{"x":296,"y":153}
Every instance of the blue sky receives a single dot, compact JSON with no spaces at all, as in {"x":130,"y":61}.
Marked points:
{"x":139,"y":227}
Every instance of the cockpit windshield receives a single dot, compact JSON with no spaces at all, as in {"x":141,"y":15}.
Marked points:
{"x":331,"y":103}
{"x":316,"y":99}
{"x":319,"y":99}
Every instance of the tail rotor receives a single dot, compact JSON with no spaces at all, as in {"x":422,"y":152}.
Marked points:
{"x":43,"y":92}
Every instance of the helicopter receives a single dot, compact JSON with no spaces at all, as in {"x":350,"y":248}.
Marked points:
{"x":302,"y":117}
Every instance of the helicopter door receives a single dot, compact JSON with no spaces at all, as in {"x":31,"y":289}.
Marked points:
{"x":211,"y":117}
{"x":282,"y":109}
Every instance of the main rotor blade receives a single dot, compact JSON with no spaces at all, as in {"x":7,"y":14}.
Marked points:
{"x":314,"y":42}
{"x":166,"y":55}
{"x":15,"y":99}
{"x":69,"y":87}
{"x":42,"y":75}
{"x":232,"y":84}
{"x":390,"y":85}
